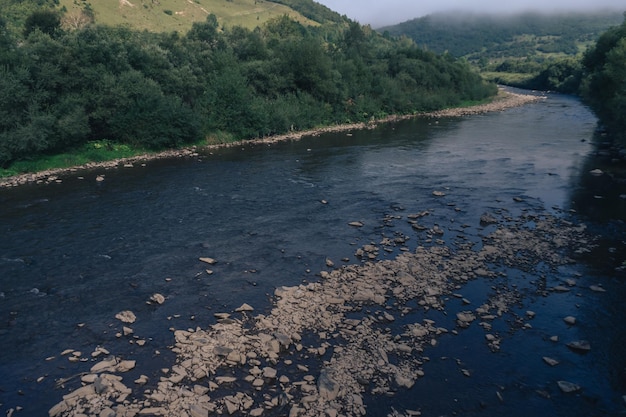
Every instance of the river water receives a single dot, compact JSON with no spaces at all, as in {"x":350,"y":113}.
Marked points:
{"x":75,"y":253}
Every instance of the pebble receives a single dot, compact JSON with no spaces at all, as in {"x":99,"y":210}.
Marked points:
{"x":126,"y":316}
{"x":568,"y":387}
{"x":571,"y":320}
{"x":209,"y":261}
{"x":550,"y":361}
{"x":580,"y":346}
{"x":596,"y":288}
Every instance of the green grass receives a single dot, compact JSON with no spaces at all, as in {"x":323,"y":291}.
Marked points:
{"x":98,"y":151}
{"x":179,"y":15}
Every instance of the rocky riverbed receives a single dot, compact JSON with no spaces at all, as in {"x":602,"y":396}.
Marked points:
{"x":322,"y":348}
{"x":502,"y":101}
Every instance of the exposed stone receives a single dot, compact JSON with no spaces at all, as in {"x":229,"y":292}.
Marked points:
{"x":244,"y":307}
{"x":596,"y":288}
{"x":550,"y":361}
{"x":209,"y":261}
{"x":157,"y":298}
{"x":126,"y":316}
{"x":571,"y":320}
{"x":568,"y":387}
{"x":580,"y":346}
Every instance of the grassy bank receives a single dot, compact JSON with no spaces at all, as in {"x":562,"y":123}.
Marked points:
{"x":109,"y":154}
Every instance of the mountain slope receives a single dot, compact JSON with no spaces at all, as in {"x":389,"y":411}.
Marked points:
{"x":179,"y":15}
{"x":495,"y":37}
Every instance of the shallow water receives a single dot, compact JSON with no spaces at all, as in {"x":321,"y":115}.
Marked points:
{"x":74,"y":254}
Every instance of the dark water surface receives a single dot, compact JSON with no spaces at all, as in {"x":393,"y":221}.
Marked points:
{"x":74,"y":254}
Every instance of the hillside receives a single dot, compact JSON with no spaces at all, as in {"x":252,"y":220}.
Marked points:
{"x":168,"y":15}
{"x":483,"y":37}
{"x":529,"y":50}
{"x":178,"y":15}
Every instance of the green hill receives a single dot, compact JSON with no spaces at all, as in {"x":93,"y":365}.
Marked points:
{"x":529,"y":50}
{"x":178,"y":15}
{"x":168,"y":15}
{"x":483,"y":37}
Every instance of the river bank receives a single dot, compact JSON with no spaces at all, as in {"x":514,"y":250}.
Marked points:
{"x":504,"y":100}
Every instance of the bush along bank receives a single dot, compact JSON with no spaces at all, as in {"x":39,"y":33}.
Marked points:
{"x":60,"y":89}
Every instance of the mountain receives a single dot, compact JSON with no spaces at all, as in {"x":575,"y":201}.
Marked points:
{"x":497,"y":37}
{"x":168,"y":15}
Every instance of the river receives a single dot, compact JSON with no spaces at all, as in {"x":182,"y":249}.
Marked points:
{"x":75,"y":253}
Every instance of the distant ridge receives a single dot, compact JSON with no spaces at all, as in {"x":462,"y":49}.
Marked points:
{"x":487,"y":36}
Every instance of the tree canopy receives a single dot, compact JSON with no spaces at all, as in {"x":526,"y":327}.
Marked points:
{"x":62,"y":88}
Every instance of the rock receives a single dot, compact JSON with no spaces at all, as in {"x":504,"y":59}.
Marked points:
{"x":579,"y":346}
{"x":106,"y":364}
{"x":465,"y":317}
{"x":244,"y":307}
{"x":403,"y":381}
{"x":596,"y":172}
{"x":550,"y":361}
{"x":326,"y":386}
{"x":329,"y":263}
{"x":225,"y":379}
{"x":269,"y":372}
{"x":356,"y":224}
{"x":568,"y":387}
{"x":142,"y":380}
{"x":125,"y":366}
{"x":126,"y":316}
{"x":127,"y":331}
{"x":596,"y":288}
{"x":439,"y":193}
{"x":209,"y":261}
{"x":58,"y":409}
{"x":157,"y":298}
{"x":487,"y":218}
{"x":196,"y":410}
{"x":256,"y":412}
{"x":571,"y":320}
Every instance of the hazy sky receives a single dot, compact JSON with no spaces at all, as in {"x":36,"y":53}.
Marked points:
{"x":384,"y":12}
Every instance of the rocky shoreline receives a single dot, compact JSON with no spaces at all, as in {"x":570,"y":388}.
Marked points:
{"x":502,"y":101}
{"x":324,"y":346}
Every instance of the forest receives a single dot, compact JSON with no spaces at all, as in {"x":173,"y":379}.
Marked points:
{"x":604,"y":83}
{"x":581,"y":54}
{"x":63,"y":88}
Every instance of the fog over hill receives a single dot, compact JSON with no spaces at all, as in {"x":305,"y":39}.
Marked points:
{"x":378,"y":13}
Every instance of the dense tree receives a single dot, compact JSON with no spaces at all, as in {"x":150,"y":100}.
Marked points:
{"x":60,"y":89}
{"x":605,"y":84}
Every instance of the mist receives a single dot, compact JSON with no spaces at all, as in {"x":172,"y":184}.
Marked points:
{"x":381,"y":13}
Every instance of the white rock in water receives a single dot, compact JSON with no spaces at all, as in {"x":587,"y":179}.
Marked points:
{"x":244,"y":307}
{"x":269,"y":372}
{"x":209,"y":261}
{"x":571,"y":320}
{"x":580,"y":346}
{"x":597,"y":288}
{"x":157,"y":298}
{"x":126,"y":316}
{"x":356,"y":224}
{"x":550,"y":361}
{"x":439,"y":193}
{"x":568,"y":387}
{"x":596,"y":172}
